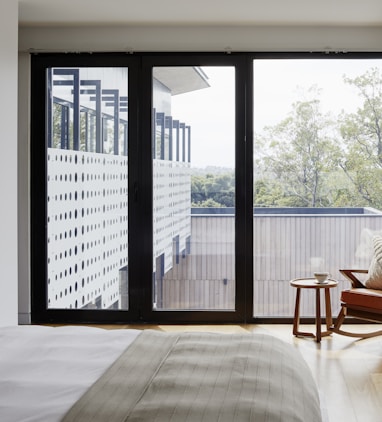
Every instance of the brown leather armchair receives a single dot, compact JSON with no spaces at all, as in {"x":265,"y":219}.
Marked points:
{"x":359,"y":302}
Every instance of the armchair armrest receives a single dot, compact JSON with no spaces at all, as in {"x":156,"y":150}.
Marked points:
{"x":349,"y":274}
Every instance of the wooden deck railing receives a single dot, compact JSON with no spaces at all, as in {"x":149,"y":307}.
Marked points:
{"x":285,"y":247}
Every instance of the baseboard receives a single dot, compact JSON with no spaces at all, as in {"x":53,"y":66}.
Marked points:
{"x":24,"y":318}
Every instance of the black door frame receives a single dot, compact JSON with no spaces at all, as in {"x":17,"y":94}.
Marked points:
{"x":244,"y":190}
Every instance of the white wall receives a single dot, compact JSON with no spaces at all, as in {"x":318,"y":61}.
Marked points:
{"x":8,"y":162}
{"x":201,"y":38}
{"x":23,"y":188}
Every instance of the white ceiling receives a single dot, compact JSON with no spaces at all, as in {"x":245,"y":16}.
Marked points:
{"x":201,"y":12}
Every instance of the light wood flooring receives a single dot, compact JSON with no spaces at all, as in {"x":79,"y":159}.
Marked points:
{"x":348,"y":371}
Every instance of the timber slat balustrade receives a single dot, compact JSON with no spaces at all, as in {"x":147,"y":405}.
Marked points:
{"x":285,"y":247}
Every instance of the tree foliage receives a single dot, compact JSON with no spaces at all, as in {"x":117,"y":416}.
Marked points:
{"x":213,"y":190}
{"x":362,"y":140}
{"x":294,"y":158}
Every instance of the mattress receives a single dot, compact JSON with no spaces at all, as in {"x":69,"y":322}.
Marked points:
{"x":44,"y":370}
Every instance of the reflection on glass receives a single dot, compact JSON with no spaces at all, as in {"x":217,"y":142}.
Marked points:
{"x":194,"y":190}
{"x":87,"y":188}
{"x":317,"y":174}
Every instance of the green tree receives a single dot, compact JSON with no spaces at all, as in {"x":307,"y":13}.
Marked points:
{"x":296,"y":156}
{"x":198,"y":194}
{"x":213,"y":190}
{"x":268,"y":193}
{"x":362,"y":135}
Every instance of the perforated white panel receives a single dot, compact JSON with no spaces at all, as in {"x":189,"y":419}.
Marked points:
{"x":172,"y":207}
{"x":87,"y":228}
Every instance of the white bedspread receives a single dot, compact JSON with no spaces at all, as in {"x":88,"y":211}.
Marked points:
{"x":44,"y":370}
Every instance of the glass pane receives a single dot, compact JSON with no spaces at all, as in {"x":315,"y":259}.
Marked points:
{"x":194,"y":188}
{"x":87,"y":188}
{"x":317,"y":175}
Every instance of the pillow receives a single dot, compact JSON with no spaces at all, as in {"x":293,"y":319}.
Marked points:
{"x":374,"y":280}
{"x":365,"y":250}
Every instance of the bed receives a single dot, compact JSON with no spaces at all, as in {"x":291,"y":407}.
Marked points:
{"x":77,"y":373}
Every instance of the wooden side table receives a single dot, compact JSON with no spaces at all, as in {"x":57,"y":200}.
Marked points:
{"x":311,"y":283}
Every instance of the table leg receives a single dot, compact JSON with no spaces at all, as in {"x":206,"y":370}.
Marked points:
{"x":296,"y":320}
{"x":328,"y":312}
{"x":318,"y":316}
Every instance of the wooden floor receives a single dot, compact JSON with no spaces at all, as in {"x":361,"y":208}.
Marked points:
{"x":348,"y":371}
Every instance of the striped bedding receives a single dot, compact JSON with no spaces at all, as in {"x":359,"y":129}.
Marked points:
{"x":197,"y":377}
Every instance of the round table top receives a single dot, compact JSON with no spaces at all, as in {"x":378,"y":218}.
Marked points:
{"x":312,"y":283}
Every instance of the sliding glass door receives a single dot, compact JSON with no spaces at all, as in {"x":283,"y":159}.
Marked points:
{"x":194,"y":188}
{"x":196,"y":145}
{"x":317,"y":174}
{"x":87,"y":188}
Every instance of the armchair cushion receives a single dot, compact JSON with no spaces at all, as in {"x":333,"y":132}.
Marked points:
{"x":365,"y":298}
{"x":374,"y":280}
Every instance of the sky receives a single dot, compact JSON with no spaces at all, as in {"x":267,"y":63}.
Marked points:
{"x":277,"y":84}
{"x":211,"y":114}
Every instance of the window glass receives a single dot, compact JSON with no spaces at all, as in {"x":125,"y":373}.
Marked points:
{"x":87,"y":197}
{"x":317,"y":174}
